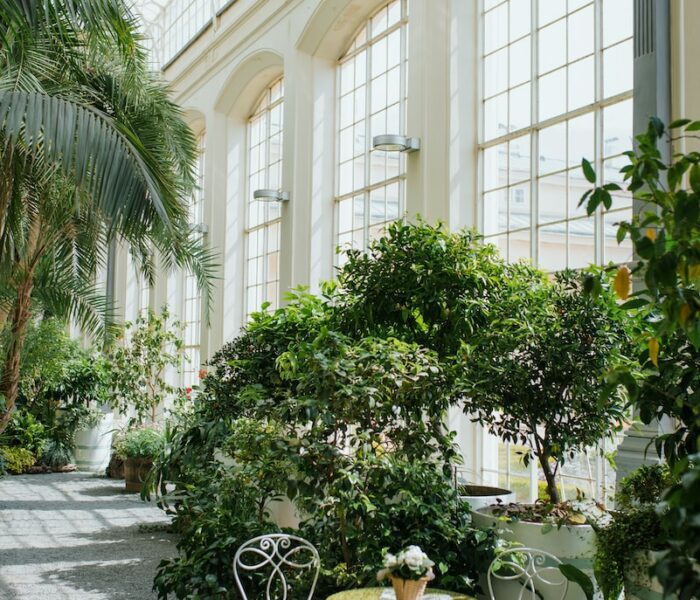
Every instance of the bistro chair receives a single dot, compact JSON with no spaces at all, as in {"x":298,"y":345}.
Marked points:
{"x":526,"y":574}
{"x":276,"y":556}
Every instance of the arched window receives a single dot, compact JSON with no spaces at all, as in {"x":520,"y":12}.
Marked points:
{"x":191,"y":294}
{"x":263,"y":218}
{"x":371,"y":84}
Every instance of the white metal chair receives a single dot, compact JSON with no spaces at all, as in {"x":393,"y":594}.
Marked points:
{"x":535,"y":571}
{"x":276,"y":553}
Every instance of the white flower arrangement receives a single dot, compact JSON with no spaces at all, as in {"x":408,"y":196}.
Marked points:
{"x":409,"y":563}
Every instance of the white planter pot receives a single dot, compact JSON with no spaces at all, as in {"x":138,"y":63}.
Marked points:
{"x":573,"y":544}
{"x":93,"y":446}
{"x":480,"y":496}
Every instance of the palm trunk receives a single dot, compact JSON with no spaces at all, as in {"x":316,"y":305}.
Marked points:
{"x":9,"y":384}
{"x":550,"y":476}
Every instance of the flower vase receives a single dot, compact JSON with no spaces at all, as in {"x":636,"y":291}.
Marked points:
{"x":409,"y":589}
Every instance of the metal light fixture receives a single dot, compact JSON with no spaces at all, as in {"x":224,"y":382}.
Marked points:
{"x":396,"y":143}
{"x":271,"y":195}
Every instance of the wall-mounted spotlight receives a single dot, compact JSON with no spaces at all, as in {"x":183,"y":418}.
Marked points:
{"x":271,"y":195}
{"x":396,"y":143}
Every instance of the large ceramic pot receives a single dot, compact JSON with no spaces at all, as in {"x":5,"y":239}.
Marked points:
{"x":135,"y":472}
{"x":93,"y":446}
{"x":638,"y":584}
{"x":480,"y":496}
{"x":574,"y":544}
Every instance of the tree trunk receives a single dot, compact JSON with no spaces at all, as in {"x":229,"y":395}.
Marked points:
{"x":9,"y":383}
{"x":550,"y":477}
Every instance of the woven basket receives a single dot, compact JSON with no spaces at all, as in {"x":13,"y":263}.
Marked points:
{"x":409,"y":589}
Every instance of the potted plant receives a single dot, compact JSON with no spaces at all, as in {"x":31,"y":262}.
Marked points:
{"x":409,"y":571}
{"x":629,"y":543}
{"x":139,"y":447}
{"x":535,"y":377}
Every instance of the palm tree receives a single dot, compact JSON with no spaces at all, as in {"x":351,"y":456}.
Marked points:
{"x":92,"y":150}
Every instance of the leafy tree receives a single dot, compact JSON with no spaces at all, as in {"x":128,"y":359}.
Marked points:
{"x":91,"y":151}
{"x":666,"y":240}
{"x":535,"y":376}
{"x":137,"y":368}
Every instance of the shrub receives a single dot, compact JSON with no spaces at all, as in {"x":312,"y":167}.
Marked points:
{"x":140,"y":443}
{"x":56,"y":454}
{"x":17,"y":460}
{"x":536,"y":375}
{"x":25,"y":431}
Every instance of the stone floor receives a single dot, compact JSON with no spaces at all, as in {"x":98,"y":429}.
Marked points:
{"x":74,"y":536}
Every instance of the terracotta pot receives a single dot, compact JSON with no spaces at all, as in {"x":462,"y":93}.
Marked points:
{"x":135,"y":472}
{"x":409,"y":589}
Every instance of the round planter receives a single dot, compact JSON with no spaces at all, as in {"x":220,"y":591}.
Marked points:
{"x":480,"y":496}
{"x":573,"y":544}
{"x":93,"y":446}
{"x":135,"y":472}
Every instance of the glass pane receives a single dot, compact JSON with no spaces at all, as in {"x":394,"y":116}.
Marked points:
{"x":581,"y":83}
{"x":552,"y":148}
{"x":496,"y":117}
{"x":617,"y":128}
{"x":519,"y":159}
{"x":552,"y":247}
{"x":552,"y":50}
{"x":520,"y":107}
{"x":496,"y":72}
{"x":520,"y":61}
{"x":495,"y":211}
{"x":549,"y":10}
{"x":581,"y":139}
{"x":581,"y":243}
{"x":519,"y":18}
{"x":617,"y":69}
{"x":578,"y":186}
{"x":552,"y":197}
{"x":618,"y":21}
{"x":552,"y":94}
{"x":495,"y":167}
{"x":496,"y":28}
{"x":519,"y":245}
{"x":581,"y":33}
{"x":519,"y":206}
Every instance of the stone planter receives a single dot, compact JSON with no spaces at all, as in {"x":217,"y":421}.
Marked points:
{"x":480,"y":496}
{"x":135,"y":472}
{"x":638,"y":584}
{"x":93,"y":446}
{"x":574,"y":544}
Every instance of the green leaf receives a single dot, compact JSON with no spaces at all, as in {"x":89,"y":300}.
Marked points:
{"x":694,"y":126}
{"x":576,"y":575}
{"x":695,"y":178}
{"x":588,"y":171}
{"x":678,"y":123}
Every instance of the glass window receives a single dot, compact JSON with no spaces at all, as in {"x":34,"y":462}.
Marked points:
{"x":191,"y":294}
{"x":370,"y":186}
{"x":263,"y":225}
{"x":557,"y":86}
{"x":555,"y":90}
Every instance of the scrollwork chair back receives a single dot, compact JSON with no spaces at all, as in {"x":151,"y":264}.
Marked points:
{"x":276,"y":553}
{"x":534,"y":570}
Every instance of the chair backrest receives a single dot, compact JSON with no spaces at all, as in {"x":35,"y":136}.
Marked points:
{"x":276,"y":554}
{"x":536,"y":572}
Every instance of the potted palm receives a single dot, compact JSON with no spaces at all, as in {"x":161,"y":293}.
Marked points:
{"x":535,"y":378}
{"x":138,"y":448}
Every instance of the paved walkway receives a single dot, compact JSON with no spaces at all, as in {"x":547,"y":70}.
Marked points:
{"x":74,"y":536}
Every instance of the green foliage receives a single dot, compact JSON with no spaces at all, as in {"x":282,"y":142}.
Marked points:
{"x":56,"y":454}
{"x":24,"y":431}
{"x":140,"y":443}
{"x":381,"y":500}
{"x":666,"y":240}
{"x":644,"y":486}
{"x":17,"y":460}
{"x":535,"y":376}
{"x":137,"y":372}
{"x":423,"y":284}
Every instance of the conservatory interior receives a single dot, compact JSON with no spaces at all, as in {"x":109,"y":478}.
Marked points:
{"x":349,"y":299}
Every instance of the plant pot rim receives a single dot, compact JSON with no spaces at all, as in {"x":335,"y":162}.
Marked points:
{"x":488,"y":511}
{"x":469,"y":489}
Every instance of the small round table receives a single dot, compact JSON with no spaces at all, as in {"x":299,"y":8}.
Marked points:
{"x":375,"y":594}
